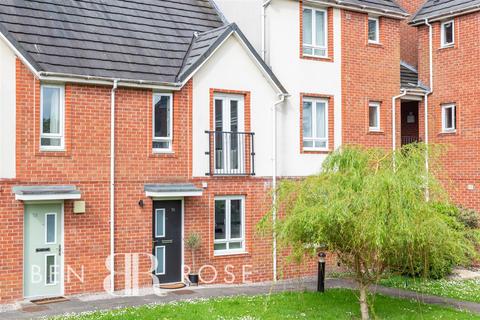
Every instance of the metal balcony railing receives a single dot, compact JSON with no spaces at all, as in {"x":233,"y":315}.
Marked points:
{"x":410,"y":139}
{"x":231,"y":153}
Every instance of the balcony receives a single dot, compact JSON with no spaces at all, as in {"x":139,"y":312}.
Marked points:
{"x":231,"y":153}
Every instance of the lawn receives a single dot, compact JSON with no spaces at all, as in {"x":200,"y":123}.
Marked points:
{"x":335,"y":304}
{"x":458,"y":289}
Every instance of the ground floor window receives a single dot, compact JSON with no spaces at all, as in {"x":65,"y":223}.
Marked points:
{"x":449,"y":118}
{"x":229,"y":225}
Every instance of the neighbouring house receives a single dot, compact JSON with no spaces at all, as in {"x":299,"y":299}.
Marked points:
{"x":447,"y":65}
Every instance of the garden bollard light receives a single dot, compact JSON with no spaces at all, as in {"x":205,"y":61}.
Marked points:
{"x":321,"y":272}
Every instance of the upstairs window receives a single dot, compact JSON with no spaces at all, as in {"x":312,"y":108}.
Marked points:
{"x":373,"y":30}
{"x":315,"y":124}
{"x":52,"y":110}
{"x":315,"y":32}
{"x":162,"y":122}
{"x":447,"y":33}
{"x":374,"y":116}
{"x":449,"y":118}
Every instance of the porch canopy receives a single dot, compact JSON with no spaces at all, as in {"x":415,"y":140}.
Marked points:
{"x":166,"y":190}
{"x":42,"y":193}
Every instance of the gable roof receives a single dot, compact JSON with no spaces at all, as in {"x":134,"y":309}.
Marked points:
{"x":142,"y":41}
{"x":205,"y":44}
{"x":438,"y":9}
{"x":382,"y":7}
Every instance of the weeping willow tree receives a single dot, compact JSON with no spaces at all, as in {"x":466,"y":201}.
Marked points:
{"x":369,"y":207}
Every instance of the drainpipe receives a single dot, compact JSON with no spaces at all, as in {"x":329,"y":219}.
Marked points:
{"x":264,"y":19}
{"x":112,"y":187}
{"x":427,"y":94}
{"x":274,"y":180}
{"x":394,"y":119}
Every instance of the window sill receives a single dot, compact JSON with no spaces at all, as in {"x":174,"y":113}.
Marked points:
{"x":316,"y":58}
{"x":52,"y":153}
{"x":163,"y":151}
{"x":375,"y":44}
{"x":448,"y":133}
{"x":230,"y":254}
{"x":316,"y":151}
{"x":376,"y":132}
{"x":447,"y":46}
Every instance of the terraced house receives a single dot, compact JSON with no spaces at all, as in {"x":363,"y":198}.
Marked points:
{"x":127,"y":125}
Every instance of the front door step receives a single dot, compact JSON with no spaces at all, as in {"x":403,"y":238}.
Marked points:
{"x":172,"y":286}
{"x":49,"y":300}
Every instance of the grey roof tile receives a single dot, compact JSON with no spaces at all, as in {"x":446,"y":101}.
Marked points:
{"x":204,"y":44}
{"x":438,"y":8}
{"x":125,"y":39}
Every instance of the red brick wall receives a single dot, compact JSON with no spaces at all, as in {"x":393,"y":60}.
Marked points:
{"x":371,"y":72}
{"x":86,"y":164}
{"x":408,"y":34}
{"x":456,"y":80}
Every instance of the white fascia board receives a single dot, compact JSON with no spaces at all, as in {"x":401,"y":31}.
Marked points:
{"x":179,"y":194}
{"x":44,"y":197}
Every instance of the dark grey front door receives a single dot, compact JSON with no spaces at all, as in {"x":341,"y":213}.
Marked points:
{"x":167,"y":240}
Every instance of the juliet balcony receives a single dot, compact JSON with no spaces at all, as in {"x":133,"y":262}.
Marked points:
{"x":231,"y":153}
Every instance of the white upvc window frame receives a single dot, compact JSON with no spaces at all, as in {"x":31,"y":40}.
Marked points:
{"x":314,"y":124}
{"x":445,"y":44}
{"x":313,"y":45}
{"x":54,"y":214}
{"x":157,"y":233}
{"x":53,"y":271}
{"x":61,"y":134}
{"x":377,"y":30}
{"x":228,"y":238}
{"x":170,"y":119}
{"x":163,"y":260}
{"x":377,"y":106}
{"x":445,"y":108}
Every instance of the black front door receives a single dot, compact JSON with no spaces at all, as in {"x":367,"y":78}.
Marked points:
{"x":167,"y":240}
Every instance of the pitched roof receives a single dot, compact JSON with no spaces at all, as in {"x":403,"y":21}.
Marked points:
{"x":433,"y":9}
{"x":204,"y":45}
{"x":123,"y":39}
{"x":382,"y":6}
{"x":409,"y":78}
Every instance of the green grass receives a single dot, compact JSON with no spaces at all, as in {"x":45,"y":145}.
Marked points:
{"x":334,"y":304}
{"x":468,"y":290}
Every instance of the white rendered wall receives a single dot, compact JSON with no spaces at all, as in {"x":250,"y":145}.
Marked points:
{"x":248,"y":15}
{"x":7,"y":112}
{"x":232,"y":68}
{"x":301,"y":76}
{"x":297,"y":75}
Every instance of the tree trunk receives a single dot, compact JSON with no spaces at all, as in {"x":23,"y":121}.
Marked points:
{"x":193,"y":263}
{"x":363,"y":302}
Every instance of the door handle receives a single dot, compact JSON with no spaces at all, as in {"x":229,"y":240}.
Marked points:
{"x":42,"y":250}
{"x":167,"y":241}
{"x":59,"y":249}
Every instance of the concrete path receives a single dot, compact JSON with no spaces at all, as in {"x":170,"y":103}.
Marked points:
{"x":87,"y":303}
